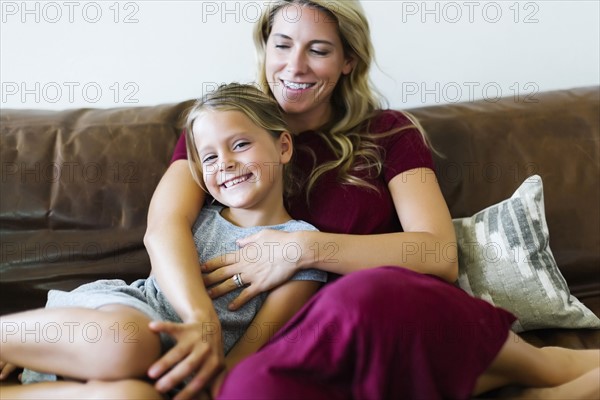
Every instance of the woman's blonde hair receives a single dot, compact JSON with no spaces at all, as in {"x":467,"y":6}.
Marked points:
{"x":354,"y":99}
{"x":262,"y":109}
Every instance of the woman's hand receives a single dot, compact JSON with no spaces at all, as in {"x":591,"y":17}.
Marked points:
{"x":198,"y":352}
{"x":266,"y":260}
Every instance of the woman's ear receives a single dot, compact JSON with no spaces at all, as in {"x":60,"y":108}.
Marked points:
{"x":349,"y":64}
{"x":286,"y":147}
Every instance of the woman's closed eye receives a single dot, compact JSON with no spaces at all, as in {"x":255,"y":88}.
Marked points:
{"x":319,"y":52}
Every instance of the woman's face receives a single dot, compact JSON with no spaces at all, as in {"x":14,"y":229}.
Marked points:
{"x":304,"y":61}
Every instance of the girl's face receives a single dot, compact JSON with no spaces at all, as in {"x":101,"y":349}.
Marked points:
{"x":242,"y":164}
{"x":304,"y":61}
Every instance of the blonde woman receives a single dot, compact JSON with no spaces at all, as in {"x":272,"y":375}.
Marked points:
{"x":399,"y":331}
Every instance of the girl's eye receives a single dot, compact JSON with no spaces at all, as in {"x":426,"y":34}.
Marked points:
{"x":240,"y":145}
{"x":282,"y":46}
{"x":208,"y":159}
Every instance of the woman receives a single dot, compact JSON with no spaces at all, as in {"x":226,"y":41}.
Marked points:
{"x":381,"y":332}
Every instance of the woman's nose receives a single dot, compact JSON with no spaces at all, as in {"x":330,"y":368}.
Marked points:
{"x":297,"y":63}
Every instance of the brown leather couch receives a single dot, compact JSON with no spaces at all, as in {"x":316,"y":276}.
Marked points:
{"x":76,"y":184}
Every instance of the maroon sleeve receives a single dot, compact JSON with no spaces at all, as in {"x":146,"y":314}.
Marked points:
{"x":180,"y":152}
{"x":404,"y":150}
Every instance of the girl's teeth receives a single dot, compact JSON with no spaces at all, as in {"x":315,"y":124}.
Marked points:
{"x":235,"y":182}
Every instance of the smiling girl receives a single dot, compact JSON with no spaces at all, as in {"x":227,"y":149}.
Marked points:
{"x":239,"y":147}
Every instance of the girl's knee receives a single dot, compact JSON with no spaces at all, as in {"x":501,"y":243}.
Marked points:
{"x":128,"y":347}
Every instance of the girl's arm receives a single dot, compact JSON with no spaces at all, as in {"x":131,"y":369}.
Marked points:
{"x":280,"y":305}
{"x":173,"y":210}
{"x":427,"y":245}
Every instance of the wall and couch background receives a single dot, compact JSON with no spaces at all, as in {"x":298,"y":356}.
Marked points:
{"x":70,"y":54}
{"x":75,"y":184}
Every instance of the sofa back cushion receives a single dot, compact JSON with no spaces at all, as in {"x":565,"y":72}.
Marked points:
{"x":76,"y":186}
{"x":490,"y":148}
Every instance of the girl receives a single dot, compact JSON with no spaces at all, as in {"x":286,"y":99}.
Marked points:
{"x":239,"y":147}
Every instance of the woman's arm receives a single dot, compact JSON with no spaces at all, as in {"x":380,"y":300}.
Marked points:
{"x":427,"y":245}
{"x":173,"y":210}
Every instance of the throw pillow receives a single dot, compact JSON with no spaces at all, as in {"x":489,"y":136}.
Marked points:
{"x":504,"y":258}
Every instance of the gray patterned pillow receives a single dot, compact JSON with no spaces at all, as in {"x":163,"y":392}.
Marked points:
{"x":505,"y":258}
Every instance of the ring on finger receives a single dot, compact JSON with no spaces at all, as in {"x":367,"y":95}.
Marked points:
{"x":237,"y":280}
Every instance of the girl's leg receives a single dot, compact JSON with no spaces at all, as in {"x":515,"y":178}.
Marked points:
{"x":109,"y":343}
{"x":126,"y":389}
{"x":523,"y":364}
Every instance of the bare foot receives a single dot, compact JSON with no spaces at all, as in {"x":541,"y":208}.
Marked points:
{"x":519,"y":363}
{"x":587,"y":386}
{"x":575,"y":362}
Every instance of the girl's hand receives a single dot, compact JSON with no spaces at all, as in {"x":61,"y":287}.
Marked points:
{"x":198,"y":353}
{"x":6,"y":369}
{"x":266,"y":260}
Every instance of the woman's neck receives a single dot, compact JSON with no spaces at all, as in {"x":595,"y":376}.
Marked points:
{"x":308,"y":121}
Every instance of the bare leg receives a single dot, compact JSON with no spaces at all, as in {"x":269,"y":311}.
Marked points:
{"x":127,"y":389}
{"x":106,"y":344}
{"x":550,"y":367}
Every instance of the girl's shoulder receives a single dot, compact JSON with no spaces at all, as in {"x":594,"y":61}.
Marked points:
{"x":208,"y":214}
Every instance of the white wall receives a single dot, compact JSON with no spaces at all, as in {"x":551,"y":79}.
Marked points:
{"x":67,"y":54}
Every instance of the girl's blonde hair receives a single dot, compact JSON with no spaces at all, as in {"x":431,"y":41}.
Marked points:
{"x":262,"y":109}
{"x":354,"y":99}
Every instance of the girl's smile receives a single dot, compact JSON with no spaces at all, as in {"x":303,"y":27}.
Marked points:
{"x":235,"y":181}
